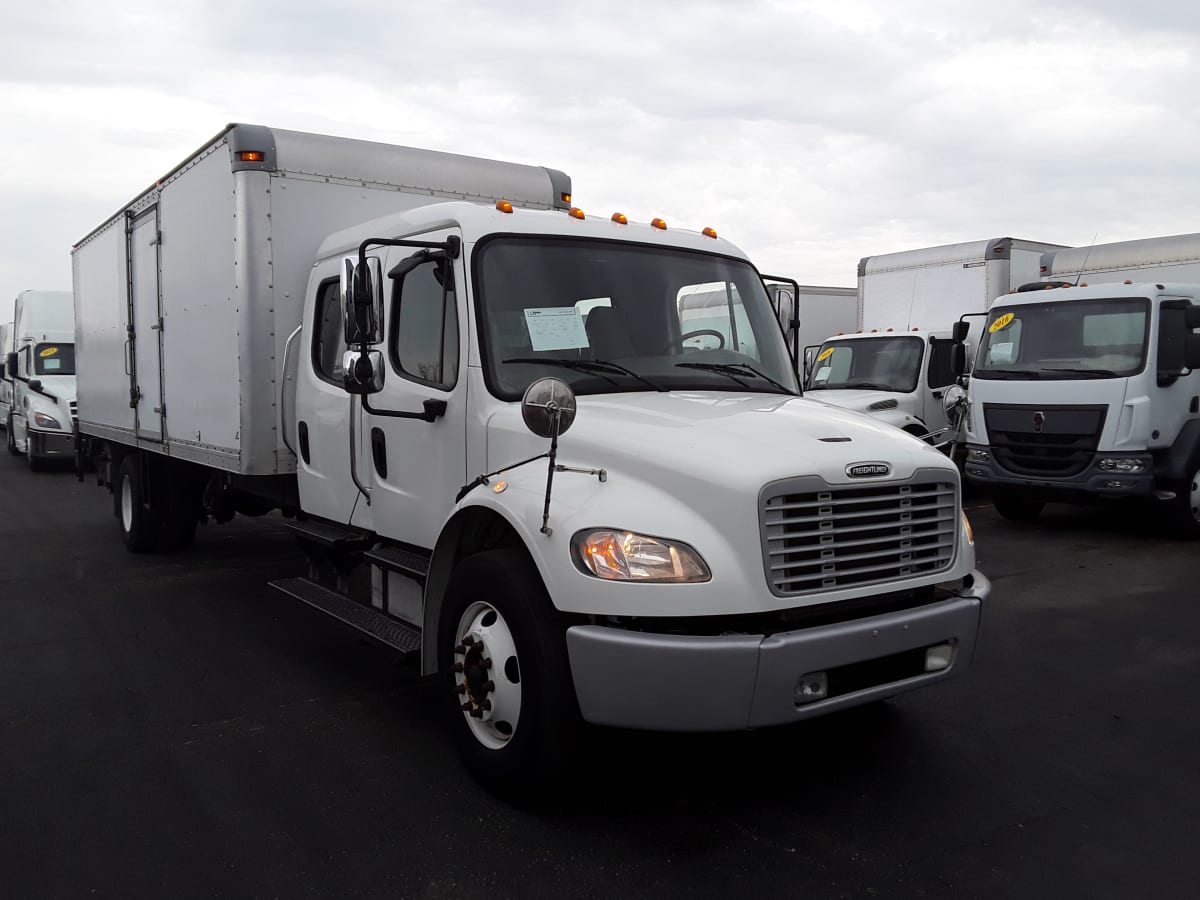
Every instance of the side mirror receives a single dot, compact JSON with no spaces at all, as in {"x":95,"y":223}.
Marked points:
{"x":958,"y":359}
{"x":548,"y":407}
{"x":1191,"y":351}
{"x":362,"y":373}
{"x":959,"y":334}
{"x":362,"y":301}
{"x":10,"y":365}
{"x":35,"y":384}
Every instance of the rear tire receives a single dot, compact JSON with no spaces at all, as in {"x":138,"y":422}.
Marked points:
{"x":499,"y":626}
{"x":1185,"y":508}
{"x":1016,"y":509}
{"x":138,"y":527}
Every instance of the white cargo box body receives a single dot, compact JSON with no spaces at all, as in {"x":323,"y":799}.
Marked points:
{"x":1172,"y":258}
{"x":185,"y":299}
{"x":825,"y":311}
{"x":931,"y":287}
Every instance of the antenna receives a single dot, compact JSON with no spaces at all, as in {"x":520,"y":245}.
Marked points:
{"x":1083,"y":268}
{"x":912,"y":301}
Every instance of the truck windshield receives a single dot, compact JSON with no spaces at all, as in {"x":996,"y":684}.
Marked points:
{"x":876,"y":364}
{"x":609,"y":317}
{"x":54,"y":359}
{"x":1070,"y":339}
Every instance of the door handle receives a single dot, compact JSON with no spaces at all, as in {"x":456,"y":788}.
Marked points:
{"x":379,"y":451}
{"x":937,"y":395}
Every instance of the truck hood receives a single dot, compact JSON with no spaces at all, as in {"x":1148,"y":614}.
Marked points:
{"x":854,"y":398}
{"x":736,"y":441}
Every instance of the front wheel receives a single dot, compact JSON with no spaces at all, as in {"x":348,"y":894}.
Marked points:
{"x":1016,"y":509}
{"x":11,"y":439}
{"x":502,"y":655}
{"x":36,"y":464}
{"x":1185,"y":508}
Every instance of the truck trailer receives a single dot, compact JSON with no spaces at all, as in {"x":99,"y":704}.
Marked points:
{"x":897,"y":365}
{"x":390,"y":345}
{"x":40,"y":378}
{"x":1086,"y":385}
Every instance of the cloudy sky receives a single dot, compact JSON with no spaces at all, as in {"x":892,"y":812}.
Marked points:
{"x":809,"y":133}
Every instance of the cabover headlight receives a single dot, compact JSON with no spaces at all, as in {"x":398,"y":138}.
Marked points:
{"x":44,"y":421}
{"x":625,"y":556}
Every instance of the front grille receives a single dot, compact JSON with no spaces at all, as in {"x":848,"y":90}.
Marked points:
{"x":818,"y":536}
{"x":1061,"y":442}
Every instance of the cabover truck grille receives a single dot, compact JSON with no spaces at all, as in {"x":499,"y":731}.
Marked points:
{"x":819,"y":537}
{"x":1049,"y":441}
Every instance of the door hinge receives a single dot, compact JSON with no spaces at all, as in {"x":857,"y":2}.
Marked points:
{"x":157,"y":326}
{"x":161,"y":410}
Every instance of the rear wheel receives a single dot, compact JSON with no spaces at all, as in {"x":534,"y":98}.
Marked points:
{"x":502,"y":654}
{"x":134,"y":516}
{"x":1017,"y":509}
{"x":1185,"y":508}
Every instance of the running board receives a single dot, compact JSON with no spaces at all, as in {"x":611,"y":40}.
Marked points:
{"x":330,"y":535}
{"x":390,"y":632}
{"x":409,"y":563}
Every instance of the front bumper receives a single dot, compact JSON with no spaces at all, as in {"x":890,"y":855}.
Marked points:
{"x":1092,"y":481}
{"x":662,"y":682}
{"x":51,"y":444}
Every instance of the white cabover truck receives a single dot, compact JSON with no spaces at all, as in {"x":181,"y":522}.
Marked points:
{"x":899,"y":363}
{"x":702,"y":550}
{"x":6,"y":383}
{"x":39,"y":369}
{"x":1092,"y":392}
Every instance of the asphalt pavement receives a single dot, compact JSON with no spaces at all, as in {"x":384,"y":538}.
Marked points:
{"x":170,"y":727}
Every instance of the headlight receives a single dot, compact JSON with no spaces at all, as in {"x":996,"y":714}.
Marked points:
{"x":1128,"y":465}
{"x":977,"y":455}
{"x":45,"y":421}
{"x":625,"y":556}
{"x":967,"y":526}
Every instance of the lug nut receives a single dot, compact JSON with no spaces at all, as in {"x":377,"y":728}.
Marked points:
{"x":489,"y":686}
{"x":469,"y":640}
{"x":458,"y":667}
{"x":487,"y":662}
{"x":461,"y":689}
{"x":460,"y":649}
{"x":466,"y":707}
{"x":477,"y":714}
{"x":486,"y":704}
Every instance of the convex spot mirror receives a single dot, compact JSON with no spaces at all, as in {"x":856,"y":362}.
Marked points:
{"x":954,"y":397}
{"x":362,"y":373}
{"x":362,"y":300}
{"x":548,"y":407}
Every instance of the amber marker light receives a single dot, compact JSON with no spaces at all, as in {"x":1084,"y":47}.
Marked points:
{"x":504,"y":206}
{"x":620,"y":218}
{"x":709,"y":232}
{"x":575,"y":213}
{"x":566,"y":198}
{"x":659,"y":224}
{"x":251,"y":155}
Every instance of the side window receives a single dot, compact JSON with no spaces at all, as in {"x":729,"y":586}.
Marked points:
{"x":328,"y":346}
{"x":940,"y":371}
{"x":423,"y":344}
{"x":714,"y":317}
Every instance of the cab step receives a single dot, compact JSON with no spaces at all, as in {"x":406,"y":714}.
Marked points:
{"x":390,"y":632}
{"x":412,"y":564}
{"x":330,"y":535}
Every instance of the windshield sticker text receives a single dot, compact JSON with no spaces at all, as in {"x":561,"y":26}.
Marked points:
{"x":825,"y":354}
{"x":1001,"y":323}
{"x":49,"y":351}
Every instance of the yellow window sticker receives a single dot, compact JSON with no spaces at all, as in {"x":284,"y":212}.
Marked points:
{"x":826,"y":353}
{"x":1001,"y":323}
{"x":49,"y":351}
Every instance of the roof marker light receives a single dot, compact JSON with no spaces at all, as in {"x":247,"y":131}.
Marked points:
{"x":620,"y":218}
{"x":1048,"y":287}
{"x":709,"y":232}
{"x":575,"y":213}
{"x":251,"y":155}
{"x":916,"y":329}
{"x":891,"y":329}
{"x":659,"y":224}
{"x":1129,"y":281}
{"x":566,"y":198}
{"x":1084,"y":284}
{"x":504,"y":206}
{"x":874,"y":331}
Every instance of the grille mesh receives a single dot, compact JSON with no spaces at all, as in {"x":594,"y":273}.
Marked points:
{"x":820,"y":537}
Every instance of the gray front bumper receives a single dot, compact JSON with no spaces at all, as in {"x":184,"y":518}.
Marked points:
{"x":51,"y":444}
{"x":662,"y":682}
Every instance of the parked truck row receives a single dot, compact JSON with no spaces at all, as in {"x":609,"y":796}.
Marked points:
{"x":561,"y":459}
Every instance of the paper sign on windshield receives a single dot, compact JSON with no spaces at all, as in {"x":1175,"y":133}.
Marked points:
{"x":49,"y":351}
{"x":825,"y":354}
{"x":1001,"y":323}
{"x":556,"y":328}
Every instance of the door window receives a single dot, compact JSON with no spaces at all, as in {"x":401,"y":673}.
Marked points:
{"x":423,"y":343}
{"x":328,"y":346}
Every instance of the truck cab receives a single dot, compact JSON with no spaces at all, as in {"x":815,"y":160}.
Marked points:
{"x":1086,"y":393}
{"x":900,"y":378}
{"x":40,"y":369}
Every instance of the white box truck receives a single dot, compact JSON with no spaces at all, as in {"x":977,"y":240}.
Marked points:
{"x":6,"y":383}
{"x":364,"y":336}
{"x":40,"y":373}
{"x":1091,"y":392}
{"x":897,"y":365}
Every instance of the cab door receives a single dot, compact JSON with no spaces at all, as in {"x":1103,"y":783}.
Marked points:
{"x":417,"y":467}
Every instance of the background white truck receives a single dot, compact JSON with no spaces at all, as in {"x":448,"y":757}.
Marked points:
{"x":40,"y":373}
{"x":6,"y":383}
{"x":361,"y":335}
{"x":898,"y":365}
{"x":1091,"y":392}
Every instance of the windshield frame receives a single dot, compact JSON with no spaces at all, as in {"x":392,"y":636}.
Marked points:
{"x":993,"y":373}
{"x":772,"y":332}
{"x":848,"y":341}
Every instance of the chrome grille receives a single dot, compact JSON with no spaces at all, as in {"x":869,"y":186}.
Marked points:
{"x":818,"y":536}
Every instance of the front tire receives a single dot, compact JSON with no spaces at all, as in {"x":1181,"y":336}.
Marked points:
{"x":36,"y":464}
{"x":11,"y":439}
{"x":1016,"y":509}
{"x":503,"y":662}
{"x":1185,"y":508}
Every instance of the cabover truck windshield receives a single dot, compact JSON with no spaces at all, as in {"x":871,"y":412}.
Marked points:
{"x":575,"y":501}
{"x":1085,"y":393}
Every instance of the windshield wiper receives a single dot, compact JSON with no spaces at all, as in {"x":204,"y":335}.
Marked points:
{"x":1087,"y":373}
{"x":591,"y":366}
{"x":1032,"y":374}
{"x":862,"y":386}
{"x":733,"y":370}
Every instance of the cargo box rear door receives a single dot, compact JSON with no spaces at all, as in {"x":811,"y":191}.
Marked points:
{"x":145,"y":324}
